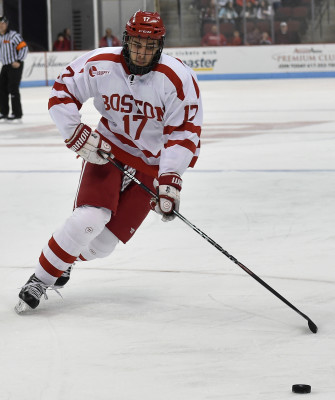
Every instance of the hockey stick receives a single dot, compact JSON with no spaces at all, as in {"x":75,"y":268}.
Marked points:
{"x":311,"y":324}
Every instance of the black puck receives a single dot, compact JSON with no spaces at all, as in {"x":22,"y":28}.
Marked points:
{"x":300,"y":388}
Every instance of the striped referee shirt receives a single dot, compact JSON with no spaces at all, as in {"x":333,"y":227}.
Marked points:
{"x":12,"y":48}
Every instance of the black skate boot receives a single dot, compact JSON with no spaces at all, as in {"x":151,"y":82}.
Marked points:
{"x":30,"y":295}
{"x":64,"y":278}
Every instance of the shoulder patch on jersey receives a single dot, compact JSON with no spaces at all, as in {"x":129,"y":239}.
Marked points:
{"x":93,"y":71}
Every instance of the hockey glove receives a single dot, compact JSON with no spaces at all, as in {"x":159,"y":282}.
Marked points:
{"x":168,"y":189}
{"x":87,"y":143}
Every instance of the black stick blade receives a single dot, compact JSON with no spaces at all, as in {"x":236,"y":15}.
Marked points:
{"x":312,"y":326}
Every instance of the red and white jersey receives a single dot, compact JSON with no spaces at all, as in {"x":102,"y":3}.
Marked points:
{"x":152,"y":121}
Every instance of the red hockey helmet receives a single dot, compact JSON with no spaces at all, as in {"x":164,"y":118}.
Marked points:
{"x":146,"y":24}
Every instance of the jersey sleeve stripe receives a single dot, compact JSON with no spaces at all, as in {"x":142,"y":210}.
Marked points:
{"x":173,"y":77}
{"x":54,"y":101}
{"x":195,"y":157}
{"x":61,"y":87}
{"x":105,"y":57}
{"x":193,"y":161}
{"x":186,"y":126}
{"x":196,"y":87}
{"x":188,"y":144}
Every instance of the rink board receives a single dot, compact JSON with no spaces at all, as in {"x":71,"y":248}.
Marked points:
{"x":212,"y":63}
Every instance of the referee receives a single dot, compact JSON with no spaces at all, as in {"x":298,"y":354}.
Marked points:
{"x":13,"y":50}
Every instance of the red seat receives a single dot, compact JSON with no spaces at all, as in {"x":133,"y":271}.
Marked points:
{"x":283,"y":13}
{"x":294,"y":26}
{"x":250,"y":26}
{"x":300,"y":12}
{"x":306,"y":3}
{"x":264,"y":26}
{"x":227,"y":28}
{"x":206,"y":27}
{"x":277,"y":26}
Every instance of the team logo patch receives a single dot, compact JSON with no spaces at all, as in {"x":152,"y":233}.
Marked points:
{"x":93,"y":71}
{"x":166,"y":205}
{"x":106,"y":146}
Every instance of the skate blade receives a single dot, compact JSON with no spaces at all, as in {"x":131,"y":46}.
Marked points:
{"x":22,"y":307}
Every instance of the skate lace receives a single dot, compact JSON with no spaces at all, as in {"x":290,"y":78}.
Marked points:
{"x":39,"y":289}
{"x":67,"y":272}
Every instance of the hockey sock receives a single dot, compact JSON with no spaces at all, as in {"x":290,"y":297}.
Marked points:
{"x":67,"y":243}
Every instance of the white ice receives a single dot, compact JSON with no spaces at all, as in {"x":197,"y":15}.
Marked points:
{"x":168,"y":316}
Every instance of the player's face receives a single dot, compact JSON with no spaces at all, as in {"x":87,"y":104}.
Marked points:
{"x":142,"y":50}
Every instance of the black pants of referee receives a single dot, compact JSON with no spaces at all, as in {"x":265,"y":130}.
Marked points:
{"x":10,"y":79}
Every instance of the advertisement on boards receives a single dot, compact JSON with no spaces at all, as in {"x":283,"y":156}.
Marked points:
{"x":258,"y":61}
{"x":211,"y":63}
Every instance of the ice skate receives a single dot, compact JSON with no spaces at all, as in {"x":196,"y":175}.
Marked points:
{"x":64,"y":278}
{"x":31,"y":294}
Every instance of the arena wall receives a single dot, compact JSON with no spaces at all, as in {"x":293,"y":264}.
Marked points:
{"x":212,"y":63}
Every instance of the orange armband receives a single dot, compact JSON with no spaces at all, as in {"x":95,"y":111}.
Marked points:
{"x":21,"y":45}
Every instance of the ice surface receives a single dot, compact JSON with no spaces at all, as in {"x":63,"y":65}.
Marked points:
{"x":167,"y":316}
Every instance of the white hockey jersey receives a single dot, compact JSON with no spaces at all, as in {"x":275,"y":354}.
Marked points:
{"x":152,"y":121}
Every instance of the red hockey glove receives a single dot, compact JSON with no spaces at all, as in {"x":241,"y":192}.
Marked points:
{"x":168,"y":189}
{"x":87,"y":143}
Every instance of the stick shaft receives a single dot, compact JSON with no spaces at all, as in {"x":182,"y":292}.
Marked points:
{"x":311,"y":324}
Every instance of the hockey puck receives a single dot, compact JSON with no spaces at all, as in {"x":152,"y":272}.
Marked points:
{"x":299,"y":388}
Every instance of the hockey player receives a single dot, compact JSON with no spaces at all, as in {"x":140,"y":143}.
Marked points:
{"x":151,"y":116}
